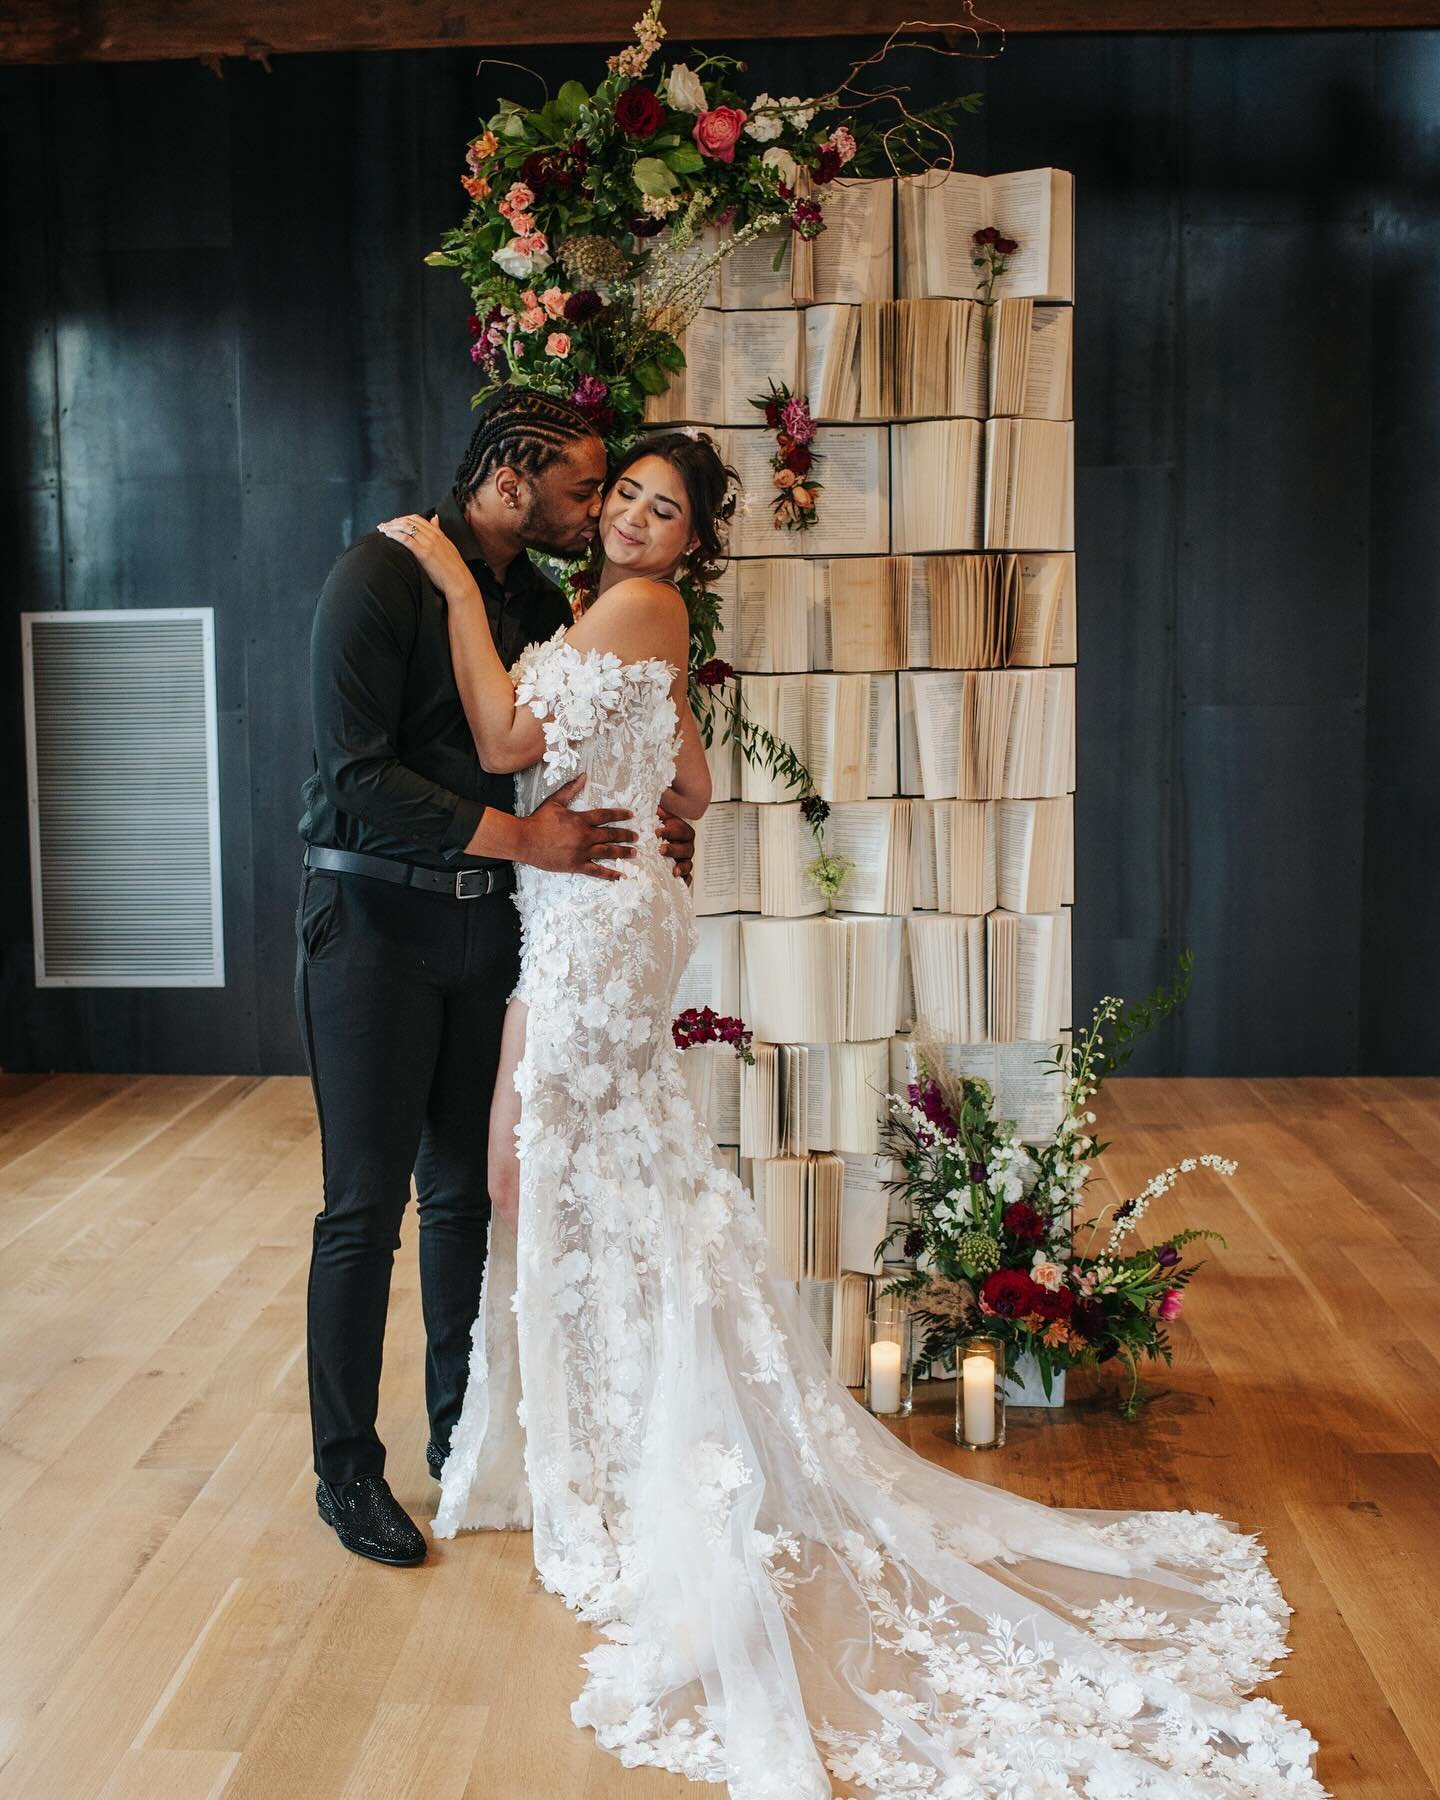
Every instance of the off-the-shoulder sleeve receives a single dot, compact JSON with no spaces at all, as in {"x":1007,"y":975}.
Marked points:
{"x":570,"y":692}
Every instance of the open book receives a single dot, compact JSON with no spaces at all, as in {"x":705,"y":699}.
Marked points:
{"x":726,"y":874}
{"x":1030,"y":354}
{"x":992,"y":611}
{"x":1028,"y":971}
{"x":937,"y":481}
{"x":732,"y":357}
{"x":987,"y":734}
{"x":812,"y":981}
{"x":798,"y":1199}
{"x":1024,"y":1089}
{"x":722,"y":755}
{"x":801,"y":1097}
{"x":842,"y":727}
{"x":853,"y":510}
{"x":940,"y":213}
{"x":1029,"y":496}
{"x":947,"y":966}
{"x":970,"y":856}
{"x":872,"y":836}
{"x":847,"y":613}
{"x":851,"y":260}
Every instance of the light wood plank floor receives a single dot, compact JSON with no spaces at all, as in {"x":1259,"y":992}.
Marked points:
{"x":177,"y":1624}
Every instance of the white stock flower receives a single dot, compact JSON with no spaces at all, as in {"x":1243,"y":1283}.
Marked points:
{"x":684,"y":90}
{"x":764,"y":124}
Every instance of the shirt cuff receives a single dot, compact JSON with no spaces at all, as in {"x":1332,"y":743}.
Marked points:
{"x":464,"y":823}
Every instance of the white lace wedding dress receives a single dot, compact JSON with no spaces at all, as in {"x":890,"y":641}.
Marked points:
{"x":796,"y":1604}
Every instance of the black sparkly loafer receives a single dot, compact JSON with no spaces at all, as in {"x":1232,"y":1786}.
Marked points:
{"x":368,"y":1519}
{"x":435,"y":1458}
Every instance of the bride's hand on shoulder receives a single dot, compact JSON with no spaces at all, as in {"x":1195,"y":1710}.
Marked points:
{"x":434,"y":552}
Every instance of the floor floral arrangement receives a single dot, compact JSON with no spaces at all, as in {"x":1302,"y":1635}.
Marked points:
{"x":993,"y":1232}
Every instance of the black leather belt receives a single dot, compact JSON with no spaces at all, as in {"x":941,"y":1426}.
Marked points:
{"x":459,"y":884}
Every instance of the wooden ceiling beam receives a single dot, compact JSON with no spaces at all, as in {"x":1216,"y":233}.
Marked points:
{"x":110,"y":31}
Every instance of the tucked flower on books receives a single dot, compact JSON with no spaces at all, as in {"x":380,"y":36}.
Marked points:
{"x":703,"y":1025}
{"x":807,"y":218}
{"x":793,"y":463}
{"x":992,"y":248}
{"x":814,"y":810}
{"x":714,"y":673}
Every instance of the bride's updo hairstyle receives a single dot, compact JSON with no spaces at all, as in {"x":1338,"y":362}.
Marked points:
{"x":711,"y":488}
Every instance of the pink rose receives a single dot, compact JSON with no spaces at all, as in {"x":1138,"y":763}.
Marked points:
{"x":1170,"y":1303}
{"x":519,"y":196}
{"x":718,"y":131}
{"x":557,"y":344}
{"x":553,"y":300}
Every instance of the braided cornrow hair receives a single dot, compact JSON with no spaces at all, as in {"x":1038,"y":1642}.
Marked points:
{"x":522,"y":429}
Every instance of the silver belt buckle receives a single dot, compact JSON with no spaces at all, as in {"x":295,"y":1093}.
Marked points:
{"x":463,"y":880}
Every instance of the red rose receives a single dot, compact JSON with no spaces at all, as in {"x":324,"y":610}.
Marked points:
{"x":713,"y":673}
{"x":827,"y":165}
{"x":988,"y":235}
{"x":1010,"y":1294}
{"x":717,"y":132}
{"x":1023,"y":1222}
{"x":799,"y":459}
{"x":1006,"y":246}
{"x":638,"y":112}
{"x":1058,"y":1305}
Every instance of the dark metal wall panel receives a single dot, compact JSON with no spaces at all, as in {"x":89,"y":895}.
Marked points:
{"x":1272,"y":832}
{"x":226,"y":357}
{"x":1400,"y":960}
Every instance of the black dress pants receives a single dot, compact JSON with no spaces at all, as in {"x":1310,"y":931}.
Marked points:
{"x":401,"y":996}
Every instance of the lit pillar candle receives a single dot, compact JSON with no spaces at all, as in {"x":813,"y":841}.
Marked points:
{"x":884,"y":1377}
{"x":978,"y":1375}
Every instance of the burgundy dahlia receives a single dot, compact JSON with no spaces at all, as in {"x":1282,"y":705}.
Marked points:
{"x":714,"y":673}
{"x":1010,"y":1294}
{"x":582,"y":306}
{"x":1023,"y":1222}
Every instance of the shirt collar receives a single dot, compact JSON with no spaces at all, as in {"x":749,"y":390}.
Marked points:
{"x":521,"y":577}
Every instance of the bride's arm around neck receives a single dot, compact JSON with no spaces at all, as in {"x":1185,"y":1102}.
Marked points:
{"x":638,"y":619}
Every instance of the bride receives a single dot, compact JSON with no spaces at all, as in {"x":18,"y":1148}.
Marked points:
{"x":795,"y":1603}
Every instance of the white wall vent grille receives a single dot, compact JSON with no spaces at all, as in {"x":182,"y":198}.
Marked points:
{"x":124,"y":798}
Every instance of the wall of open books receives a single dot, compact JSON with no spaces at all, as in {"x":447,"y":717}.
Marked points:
{"x":917,"y":647}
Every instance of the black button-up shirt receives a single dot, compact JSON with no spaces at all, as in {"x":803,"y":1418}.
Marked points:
{"x":396,"y":771}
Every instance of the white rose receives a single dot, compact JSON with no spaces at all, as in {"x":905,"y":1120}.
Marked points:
{"x":519,"y":263}
{"x":778,"y":158}
{"x":684,"y":90}
{"x":762,"y":125}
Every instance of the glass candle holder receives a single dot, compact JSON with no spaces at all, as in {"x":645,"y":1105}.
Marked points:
{"x":980,"y":1392}
{"x":890,"y":1356}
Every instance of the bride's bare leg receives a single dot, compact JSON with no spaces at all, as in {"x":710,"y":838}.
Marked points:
{"x":504,"y":1166}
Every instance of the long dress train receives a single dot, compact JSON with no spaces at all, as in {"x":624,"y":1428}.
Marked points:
{"x":795,"y":1603}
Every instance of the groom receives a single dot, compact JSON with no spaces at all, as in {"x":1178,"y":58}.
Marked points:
{"x":408,"y":942}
